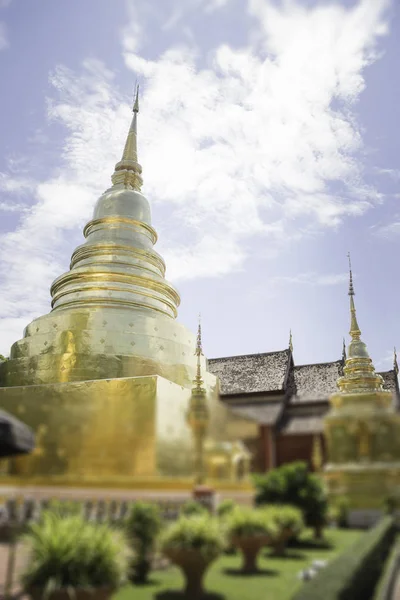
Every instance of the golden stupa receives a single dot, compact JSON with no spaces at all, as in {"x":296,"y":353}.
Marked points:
{"x":105,"y":378}
{"x":362,"y":429}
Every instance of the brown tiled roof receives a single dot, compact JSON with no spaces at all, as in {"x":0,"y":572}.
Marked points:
{"x":251,"y":373}
{"x":390,"y":380}
{"x":302,"y":424}
{"x":266,"y":413}
{"x":316,"y":382}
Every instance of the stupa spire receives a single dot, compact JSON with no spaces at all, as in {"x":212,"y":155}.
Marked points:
{"x":395,"y":363}
{"x":128,"y":171}
{"x":355,"y":331}
{"x":344,"y":354}
{"x":290,"y":341}
{"x":359,"y":372}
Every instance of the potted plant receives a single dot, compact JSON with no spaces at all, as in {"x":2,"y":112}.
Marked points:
{"x":72,"y":559}
{"x":142,"y":528}
{"x":250,"y":530}
{"x":193,"y":543}
{"x":289,"y":524}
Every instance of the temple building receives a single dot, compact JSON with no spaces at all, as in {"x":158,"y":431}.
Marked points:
{"x":283,"y":404}
{"x":120,"y":395}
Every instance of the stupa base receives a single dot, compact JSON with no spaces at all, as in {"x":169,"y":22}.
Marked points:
{"x":366,"y":485}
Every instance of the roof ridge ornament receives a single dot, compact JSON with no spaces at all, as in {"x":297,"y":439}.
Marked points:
{"x":290,"y":341}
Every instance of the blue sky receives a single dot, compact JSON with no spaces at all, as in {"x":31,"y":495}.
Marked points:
{"x":268,"y":137}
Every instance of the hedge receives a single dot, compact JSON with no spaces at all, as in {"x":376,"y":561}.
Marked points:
{"x":354,"y":574}
{"x":385,"y":587}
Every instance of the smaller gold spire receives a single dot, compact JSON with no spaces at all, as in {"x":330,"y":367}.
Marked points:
{"x":199,"y":353}
{"x":344,"y":354}
{"x":198,"y":416}
{"x":290,"y":341}
{"x":395,"y":363}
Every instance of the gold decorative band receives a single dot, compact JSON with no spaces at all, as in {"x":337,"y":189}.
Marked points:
{"x":115,"y":221}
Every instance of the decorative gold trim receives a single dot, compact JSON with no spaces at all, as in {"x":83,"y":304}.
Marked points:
{"x":101,"y":249}
{"x":160,"y":299}
{"x":158,"y":286}
{"x":110,"y":221}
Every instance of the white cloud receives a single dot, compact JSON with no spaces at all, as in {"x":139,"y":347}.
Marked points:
{"x":392,"y":173}
{"x":312,"y":279}
{"x":244,"y":149}
{"x":390,"y":231}
{"x":3,"y":36}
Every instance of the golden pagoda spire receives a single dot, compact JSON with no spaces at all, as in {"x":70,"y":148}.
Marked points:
{"x":127,"y":170}
{"x":359,"y":372}
{"x":344,"y":355}
{"x":395,"y":363}
{"x":290,"y":341}
{"x":354,"y":328}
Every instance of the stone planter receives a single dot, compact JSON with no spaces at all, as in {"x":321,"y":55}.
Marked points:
{"x":194,"y":565}
{"x":250,"y":546}
{"x":104,"y":593}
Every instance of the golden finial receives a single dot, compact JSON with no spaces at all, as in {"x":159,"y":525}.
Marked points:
{"x":344,"y":355}
{"x":290,"y":341}
{"x":351,"y":287}
{"x":135,"y":108}
{"x":128,"y":171}
{"x":395,"y":363}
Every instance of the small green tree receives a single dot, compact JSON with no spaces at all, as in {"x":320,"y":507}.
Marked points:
{"x":294,"y":484}
{"x":142,"y":528}
{"x":250,"y":530}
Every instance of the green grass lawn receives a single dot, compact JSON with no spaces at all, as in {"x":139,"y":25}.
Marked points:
{"x":277,"y":579}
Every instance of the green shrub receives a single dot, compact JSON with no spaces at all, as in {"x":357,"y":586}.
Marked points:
{"x":202,"y":533}
{"x":354,"y":574}
{"x":64,"y":508}
{"x":293,"y":484}
{"x":193,"y":508}
{"x":342,"y":505}
{"x":391,"y":503}
{"x":225,"y":508}
{"x":142,"y":527}
{"x":245,"y":521}
{"x":67,"y":552}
